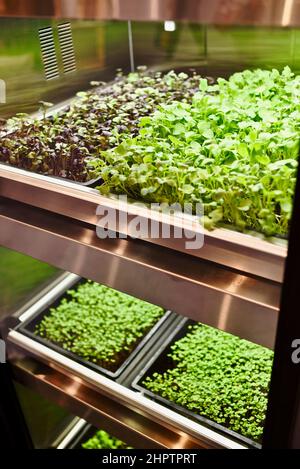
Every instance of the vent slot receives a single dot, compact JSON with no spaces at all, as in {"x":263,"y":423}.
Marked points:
{"x":48,"y":53}
{"x":67,"y":47}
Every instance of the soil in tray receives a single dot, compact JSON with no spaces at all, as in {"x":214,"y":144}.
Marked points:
{"x":215,"y":375}
{"x":98,"y":324}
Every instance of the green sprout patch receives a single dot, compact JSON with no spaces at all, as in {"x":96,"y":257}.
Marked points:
{"x":62,"y":144}
{"x":218,"y":376}
{"x":102,"y":440}
{"x":233,"y":148}
{"x":99,"y":324}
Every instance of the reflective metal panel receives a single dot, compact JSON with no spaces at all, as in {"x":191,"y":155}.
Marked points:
{"x":264,"y":12}
{"x":203,"y":291}
{"x":99,"y":48}
{"x":214,"y":50}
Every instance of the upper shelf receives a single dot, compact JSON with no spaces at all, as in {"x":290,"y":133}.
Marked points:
{"x":244,"y":253}
{"x":281,"y":13}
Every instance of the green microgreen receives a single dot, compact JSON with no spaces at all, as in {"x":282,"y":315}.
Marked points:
{"x":102,"y":440}
{"x":62,"y":144}
{"x":234,"y":149}
{"x":218,"y":376}
{"x":99,"y":324}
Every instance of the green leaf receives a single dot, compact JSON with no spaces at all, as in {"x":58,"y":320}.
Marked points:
{"x":145,"y":121}
{"x":245,"y":205}
{"x":216,"y":215}
{"x":208,"y":134}
{"x":286,"y":206}
{"x":203,"y":84}
{"x":188,"y":189}
{"x":243,"y":150}
{"x":262,"y":159}
{"x":179,"y":129}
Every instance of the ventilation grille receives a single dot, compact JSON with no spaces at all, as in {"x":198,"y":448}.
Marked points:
{"x":48,"y":53}
{"x":66,"y":47}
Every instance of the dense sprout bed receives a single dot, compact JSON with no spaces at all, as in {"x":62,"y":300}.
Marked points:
{"x":62,"y":144}
{"x":234,"y":148}
{"x":102,"y":440}
{"x":220,"y":377}
{"x":99,"y":324}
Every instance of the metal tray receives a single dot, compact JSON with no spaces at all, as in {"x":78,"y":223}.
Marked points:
{"x":90,"y":183}
{"x":27,"y":328}
{"x":160,"y":363}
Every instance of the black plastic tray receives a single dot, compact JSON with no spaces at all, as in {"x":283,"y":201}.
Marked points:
{"x":28,"y":326}
{"x":160,"y":363}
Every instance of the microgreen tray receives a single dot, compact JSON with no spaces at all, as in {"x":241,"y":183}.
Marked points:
{"x":28,"y":328}
{"x":160,"y":363}
{"x":84,"y":435}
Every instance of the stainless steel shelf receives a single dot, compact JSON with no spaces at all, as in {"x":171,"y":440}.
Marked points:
{"x":105,"y":403}
{"x":204,"y":291}
{"x":246,"y":253}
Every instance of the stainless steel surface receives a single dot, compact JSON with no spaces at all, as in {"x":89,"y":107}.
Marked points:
{"x":245,"y":253}
{"x":71,"y":433}
{"x":214,"y":51}
{"x":266,"y":12}
{"x":47,"y":299}
{"x":48,"y":51}
{"x":99,"y":48}
{"x":99,"y":399}
{"x":102,"y":46}
{"x":66,"y":43}
{"x":203,"y":291}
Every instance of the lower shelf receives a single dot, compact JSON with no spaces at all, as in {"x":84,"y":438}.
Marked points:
{"x":119,"y":410}
{"x":106,"y":403}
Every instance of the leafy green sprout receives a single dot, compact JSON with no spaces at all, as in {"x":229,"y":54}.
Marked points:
{"x":218,"y":376}
{"x":44,"y":106}
{"x":234,"y":149}
{"x":99,"y":324}
{"x":64,"y":143}
{"x":102,"y":440}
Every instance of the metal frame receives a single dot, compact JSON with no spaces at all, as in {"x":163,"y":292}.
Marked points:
{"x":271,"y":13}
{"x":236,"y":278}
{"x":71,"y":433}
{"x":282,"y":429}
{"x":203,"y":291}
